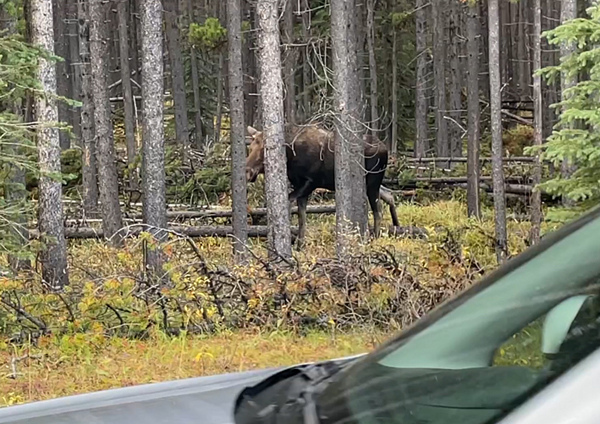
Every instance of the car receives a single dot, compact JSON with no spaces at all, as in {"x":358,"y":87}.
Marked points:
{"x":518,"y":347}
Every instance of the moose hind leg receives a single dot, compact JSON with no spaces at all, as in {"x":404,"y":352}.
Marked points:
{"x":302,"y":203}
{"x":374,"y":203}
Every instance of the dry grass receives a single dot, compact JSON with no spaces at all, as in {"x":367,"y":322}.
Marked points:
{"x":79,"y":364}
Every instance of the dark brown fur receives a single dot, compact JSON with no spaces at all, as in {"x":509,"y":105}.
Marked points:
{"x":311,"y":165}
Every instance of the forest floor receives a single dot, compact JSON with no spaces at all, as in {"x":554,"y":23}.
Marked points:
{"x":86,"y":352}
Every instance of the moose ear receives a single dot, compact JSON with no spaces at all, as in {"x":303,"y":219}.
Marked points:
{"x":252,"y":131}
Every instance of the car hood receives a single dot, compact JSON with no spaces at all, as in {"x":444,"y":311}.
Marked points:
{"x":206,"y":400}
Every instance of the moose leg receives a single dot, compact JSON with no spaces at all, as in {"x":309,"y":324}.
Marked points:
{"x":373,"y":197}
{"x":303,"y":191}
{"x":302,"y":202}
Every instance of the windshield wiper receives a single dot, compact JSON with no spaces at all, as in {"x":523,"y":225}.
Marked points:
{"x":287,"y":398}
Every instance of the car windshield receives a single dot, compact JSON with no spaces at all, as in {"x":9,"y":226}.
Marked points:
{"x":481,"y":356}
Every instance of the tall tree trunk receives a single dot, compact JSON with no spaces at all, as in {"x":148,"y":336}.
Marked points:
{"x":568,"y":12}
{"x":496,"y":123}
{"x":62,"y":67}
{"x":394,"y":136}
{"x":474,"y":112}
{"x":75,"y":68}
{"x":220,"y":95}
{"x":177,"y":75}
{"x":271,"y":91}
{"x":306,"y":69}
{"x":238,"y":140}
{"x":14,"y":188}
{"x":420,"y":86}
{"x":344,"y":81}
{"x":153,"y":153}
{"x":455,"y":80}
{"x":372,"y":66}
{"x":536,"y":196}
{"x":249,"y":63}
{"x":439,"y":73}
{"x":88,"y":142}
{"x":50,"y":210}
{"x":289,"y":60}
{"x":198,"y":135}
{"x":357,"y":110}
{"x":127,"y":92}
{"x":522,"y":51}
{"x":108,"y":181}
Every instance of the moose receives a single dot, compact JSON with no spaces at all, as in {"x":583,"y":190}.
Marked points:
{"x":311,"y":164}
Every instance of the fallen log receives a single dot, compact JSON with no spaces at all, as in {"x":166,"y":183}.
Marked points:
{"x":464,"y":159}
{"x":257,"y":231}
{"x":448,"y":180}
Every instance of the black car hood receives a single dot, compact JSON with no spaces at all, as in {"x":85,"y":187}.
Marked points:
{"x":201,"y":400}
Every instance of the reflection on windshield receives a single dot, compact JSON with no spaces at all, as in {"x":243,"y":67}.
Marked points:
{"x":484,"y":358}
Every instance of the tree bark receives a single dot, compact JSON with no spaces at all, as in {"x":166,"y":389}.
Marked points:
{"x":198,"y":134}
{"x":455,"y":80}
{"x":372,"y":66}
{"x":238,"y":140}
{"x":474,"y":112}
{"x":394,"y":123}
{"x":127,"y":92}
{"x":344,"y":76}
{"x":88,"y":142}
{"x":421,"y":87}
{"x":271,"y":90}
{"x":496,"y":124}
{"x":75,"y":68}
{"x":357,"y":115}
{"x":62,"y":67}
{"x":289,"y":60}
{"x":50,"y":211}
{"x":306,"y":69}
{"x":177,"y":75}
{"x":538,"y":118}
{"x":153,"y":159}
{"x":439,"y":73}
{"x":105,"y":146}
{"x":568,"y":12}
{"x":15,"y":185}
{"x":220,"y":93}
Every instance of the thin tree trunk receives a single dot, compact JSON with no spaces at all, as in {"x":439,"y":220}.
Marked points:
{"x":127,"y":92}
{"x":421,"y":87}
{"x":153,"y":159}
{"x":474,"y":112}
{"x":372,"y":66}
{"x":289,"y":61}
{"x":496,"y":123}
{"x":105,"y":147}
{"x":536,"y":196}
{"x":568,"y":12}
{"x":220,"y":93}
{"x":522,"y":54}
{"x":62,"y":67}
{"x":75,"y":68}
{"x":177,"y":75}
{"x":344,"y":81}
{"x":394,"y":141}
{"x":271,"y":90}
{"x":455,"y":82}
{"x":439,"y":71}
{"x":14,"y":188}
{"x":50,"y":212}
{"x":238,"y":141}
{"x":88,"y":142}
{"x":199,"y":139}
{"x":357,"y":109}
{"x":306,"y":69}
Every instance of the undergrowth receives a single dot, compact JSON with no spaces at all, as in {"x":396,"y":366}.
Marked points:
{"x":90,"y":332}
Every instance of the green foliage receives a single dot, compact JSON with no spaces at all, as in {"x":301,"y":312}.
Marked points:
{"x":576,"y":139}
{"x":208,"y":36}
